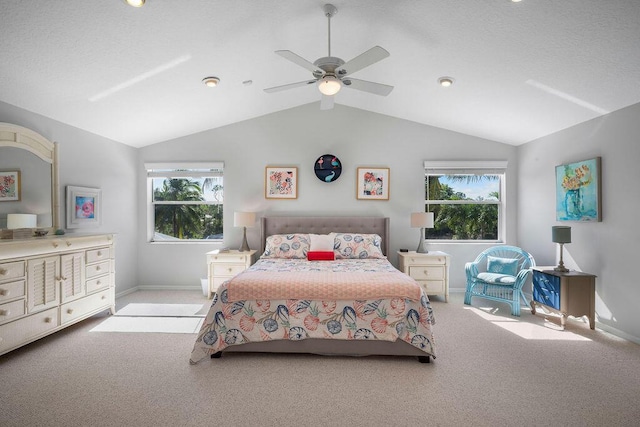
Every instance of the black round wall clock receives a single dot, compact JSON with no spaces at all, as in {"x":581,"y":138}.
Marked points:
{"x":328,"y":168}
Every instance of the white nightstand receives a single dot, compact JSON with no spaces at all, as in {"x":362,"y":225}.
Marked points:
{"x":430,"y":270}
{"x":223,"y":266}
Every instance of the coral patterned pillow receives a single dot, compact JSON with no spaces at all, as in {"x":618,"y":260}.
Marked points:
{"x":291,"y":246}
{"x":357,"y":246}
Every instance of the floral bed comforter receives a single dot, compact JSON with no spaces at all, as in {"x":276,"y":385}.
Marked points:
{"x":379,"y":316}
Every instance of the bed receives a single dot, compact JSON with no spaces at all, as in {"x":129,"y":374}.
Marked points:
{"x":357,"y":304}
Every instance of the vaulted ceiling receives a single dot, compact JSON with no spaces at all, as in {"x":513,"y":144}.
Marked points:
{"x":522,"y":70}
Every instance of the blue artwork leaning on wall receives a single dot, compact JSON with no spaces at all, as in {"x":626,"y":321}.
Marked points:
{"x":578,"y":195}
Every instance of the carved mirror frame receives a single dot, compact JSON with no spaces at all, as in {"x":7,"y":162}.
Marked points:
{"x":26,"y":139}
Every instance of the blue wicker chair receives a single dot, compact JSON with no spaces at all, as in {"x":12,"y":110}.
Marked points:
{"x":498,"y":274}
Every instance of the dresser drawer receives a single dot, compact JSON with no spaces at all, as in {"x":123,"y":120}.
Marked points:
{"x":432,"y":286}
{"x":12,"y":310}
{"x":12,"y":290}
{"x":228,"y":270}
{"x":228,"y":258}
{"x":428,"y":260}
{"x":96,"y":255}
{"x":546,"y":289}
{"x":98,"y":283}
{"x":86,"y":305}
{"x":98,"y":269}
{"x":16,"y":333}
{"x":11,"y":270}
{"x":424,"y":272}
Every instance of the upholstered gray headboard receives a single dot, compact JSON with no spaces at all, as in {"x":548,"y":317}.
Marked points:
{"x":324,"y":225}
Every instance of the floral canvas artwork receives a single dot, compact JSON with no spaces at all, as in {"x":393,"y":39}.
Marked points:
{"x":9,"y":186}
{"x":83,"y":207}
{"x":281,"y":182}
{"x":578,"y":191}
{"x":373,"y":183}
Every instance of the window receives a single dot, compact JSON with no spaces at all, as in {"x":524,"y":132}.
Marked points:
{"x":467,"y":200}
{"x":186,"y":201}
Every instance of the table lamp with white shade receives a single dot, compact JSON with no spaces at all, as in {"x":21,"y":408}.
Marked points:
{"x":244,"y":220}
{"x":422,"y":220}
{"x":16,"y":221}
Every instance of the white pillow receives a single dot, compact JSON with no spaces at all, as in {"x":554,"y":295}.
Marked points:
{"x":322,"y":242}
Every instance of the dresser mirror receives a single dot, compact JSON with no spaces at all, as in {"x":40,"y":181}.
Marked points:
{"x":35,"y":158}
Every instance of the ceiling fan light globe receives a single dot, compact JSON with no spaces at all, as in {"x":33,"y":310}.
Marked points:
{"x":329,"y":85}
{"x":135,"y":3}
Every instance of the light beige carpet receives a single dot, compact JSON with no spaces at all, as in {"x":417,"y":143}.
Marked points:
{"x":492,"y":370}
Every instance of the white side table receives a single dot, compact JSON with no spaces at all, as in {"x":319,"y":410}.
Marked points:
{"x":223,"y":266}
{"x":430,"y":270}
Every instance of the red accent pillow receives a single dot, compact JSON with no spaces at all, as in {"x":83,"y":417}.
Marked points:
{"x":321,"y":256}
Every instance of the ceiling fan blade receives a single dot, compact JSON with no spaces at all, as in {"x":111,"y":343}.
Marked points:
{"x":326,"y":103}
{"x":289,"y":86}
{"x":297,"y":59}
{"x":371,"y":87}
{"x":361,"y":61}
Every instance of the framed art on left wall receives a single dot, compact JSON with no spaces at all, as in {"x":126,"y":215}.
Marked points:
{"x":10,"y":186}
{"x":84,"y":205}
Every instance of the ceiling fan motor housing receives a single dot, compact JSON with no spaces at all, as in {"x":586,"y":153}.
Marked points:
{"x":328,"y":64}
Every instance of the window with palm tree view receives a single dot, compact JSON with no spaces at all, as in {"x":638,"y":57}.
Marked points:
{"x":465,"y":206}
{"x":187,"y":204}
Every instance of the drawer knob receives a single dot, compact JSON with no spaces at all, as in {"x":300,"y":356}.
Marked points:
{"x":55,"y":244}
{"x":3,"y":271}
{"x":99,"y":253}
{"x":5,"y":312}
{"x":69,"y":310}
{"x":68,"y":243}
{"x":230,"y":269}
{"x":98,"y":268}
{"x":4,"y":292}
{"x":48,"y":320}
{"x":426,"y":272}
{"x":103,"y":297}
{"x":98,"y":282}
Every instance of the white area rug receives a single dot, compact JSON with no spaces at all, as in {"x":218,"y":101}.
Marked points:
{"x":169,"y":325}
{"x":164,"y":310}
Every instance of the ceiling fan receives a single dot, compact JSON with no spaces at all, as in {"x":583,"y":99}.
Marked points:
{"x":331,"y":73}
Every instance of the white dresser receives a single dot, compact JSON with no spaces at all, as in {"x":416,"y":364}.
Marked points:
{"x":49,"y":283}
{"x":430,"y":270}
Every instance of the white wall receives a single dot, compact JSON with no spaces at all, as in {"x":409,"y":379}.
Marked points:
{"x":89,"y":160}
{"x":297,"y":137}
{"x":608,"y":248}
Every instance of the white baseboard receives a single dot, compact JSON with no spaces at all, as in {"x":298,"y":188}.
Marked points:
{"x":618,"y":333}
{"x":157,"y":288}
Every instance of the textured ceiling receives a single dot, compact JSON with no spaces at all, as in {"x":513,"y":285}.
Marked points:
{"x":522,"y":70}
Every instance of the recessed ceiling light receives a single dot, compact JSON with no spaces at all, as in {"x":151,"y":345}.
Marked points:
{"x":211,"y":81}
{"x":135,"y":3}
{"x":516,"y":1}
{"x":445,"y":81}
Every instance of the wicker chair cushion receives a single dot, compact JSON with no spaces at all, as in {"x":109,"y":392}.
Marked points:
{"x":497,"y":278}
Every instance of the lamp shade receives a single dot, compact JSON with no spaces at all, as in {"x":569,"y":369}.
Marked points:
{"x":244,"y":219}
{"x":15,"y":221}
{"x":561,"y":234}
{"x":422,"y":220}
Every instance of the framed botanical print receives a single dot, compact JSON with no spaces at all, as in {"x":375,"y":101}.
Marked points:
{"x":372,"y":183}
{"x":281,"y":182}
